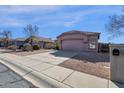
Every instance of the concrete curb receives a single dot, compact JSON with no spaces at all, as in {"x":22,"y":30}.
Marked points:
{"x":41,"y":80}
{"x":36,"y":78}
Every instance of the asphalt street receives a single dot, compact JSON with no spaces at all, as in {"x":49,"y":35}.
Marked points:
{"x":9,"y":79}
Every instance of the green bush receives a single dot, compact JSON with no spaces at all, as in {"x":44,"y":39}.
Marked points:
{"x":36,"y":47}
{"x":20,"y":47}
{"x":27,"y":47}
{"x":57,"y":47}
{"x":13,"y":47}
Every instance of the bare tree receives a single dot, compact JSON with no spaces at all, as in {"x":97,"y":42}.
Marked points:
{"x":31,"y":31}
{"x":115,"y":26}
{"x":6,"y":34}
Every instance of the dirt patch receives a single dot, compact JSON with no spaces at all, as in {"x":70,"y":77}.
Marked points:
{"x":19,"y":52}
{"x":91,"y":63}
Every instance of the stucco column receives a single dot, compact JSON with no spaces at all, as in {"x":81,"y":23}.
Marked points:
{"x":117,"y":62}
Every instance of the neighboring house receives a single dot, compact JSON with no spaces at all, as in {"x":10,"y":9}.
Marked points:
{"x":3,"y":43}
{"x":41,"y":41}
{"x":20,"y":41}
{"x":78,"y":41}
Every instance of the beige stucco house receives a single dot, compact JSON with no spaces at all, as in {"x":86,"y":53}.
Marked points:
{"x":78,"y":41}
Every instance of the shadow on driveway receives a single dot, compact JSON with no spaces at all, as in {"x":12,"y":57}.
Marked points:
{"x":118,"y":84}
{"x":66,"y":54}
{"x":85,"y":56}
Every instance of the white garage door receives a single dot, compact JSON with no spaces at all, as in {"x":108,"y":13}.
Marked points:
{"x":76,"y":45}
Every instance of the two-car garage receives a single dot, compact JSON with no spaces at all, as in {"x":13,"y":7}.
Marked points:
{"x":76,"y":45}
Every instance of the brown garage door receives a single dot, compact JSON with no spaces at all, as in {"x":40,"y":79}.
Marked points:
{"x":76,"y":45}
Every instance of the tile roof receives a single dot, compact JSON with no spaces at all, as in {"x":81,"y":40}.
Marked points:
{"x":20,"y":39}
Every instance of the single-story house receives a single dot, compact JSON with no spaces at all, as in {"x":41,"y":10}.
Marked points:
{"x":3,"y":42}
{"x":20,"y":41}
{"x":78,"y":41}
{"x":41,"y":41}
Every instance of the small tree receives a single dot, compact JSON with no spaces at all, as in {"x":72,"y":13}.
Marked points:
{"x":6,"y":34}
{"x":31,"y":32}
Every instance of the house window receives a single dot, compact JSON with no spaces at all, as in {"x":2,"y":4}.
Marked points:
{"x":92,"y":45}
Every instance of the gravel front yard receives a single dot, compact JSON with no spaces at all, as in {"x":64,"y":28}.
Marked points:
{"x":91,"y":63}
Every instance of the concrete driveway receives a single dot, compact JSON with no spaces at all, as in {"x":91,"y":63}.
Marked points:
{"x":54,"y":57}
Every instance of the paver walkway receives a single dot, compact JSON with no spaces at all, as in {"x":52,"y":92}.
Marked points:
{"x":45,"y":64}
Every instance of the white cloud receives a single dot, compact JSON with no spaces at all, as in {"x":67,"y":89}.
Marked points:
{"x":69,"y":19}
{"x":73,"y":22}
{"x":66,"y":19}
{"x":11,"y":22}
{"x":28,"y":8}
{"x":6,"y":19}
{"x":80,"y":15}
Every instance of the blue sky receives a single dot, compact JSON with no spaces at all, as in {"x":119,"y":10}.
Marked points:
{"x":54,"y":20}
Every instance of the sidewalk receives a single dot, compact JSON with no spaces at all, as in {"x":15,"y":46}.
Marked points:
{"x":44,"y":74}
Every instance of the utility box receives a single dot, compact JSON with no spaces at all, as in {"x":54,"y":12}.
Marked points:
{"x":117,"y":62}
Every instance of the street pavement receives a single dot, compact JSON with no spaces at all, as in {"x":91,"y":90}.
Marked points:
{"x":9,"y":79}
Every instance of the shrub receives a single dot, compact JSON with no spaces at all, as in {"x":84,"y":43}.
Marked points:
{"x":36,"y":47}
{"x":13,"y":47}
{"x":27,"y":47}
{"x":105,"y":48}
{"x":20,"y":47}
{"x":57,"y":47}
